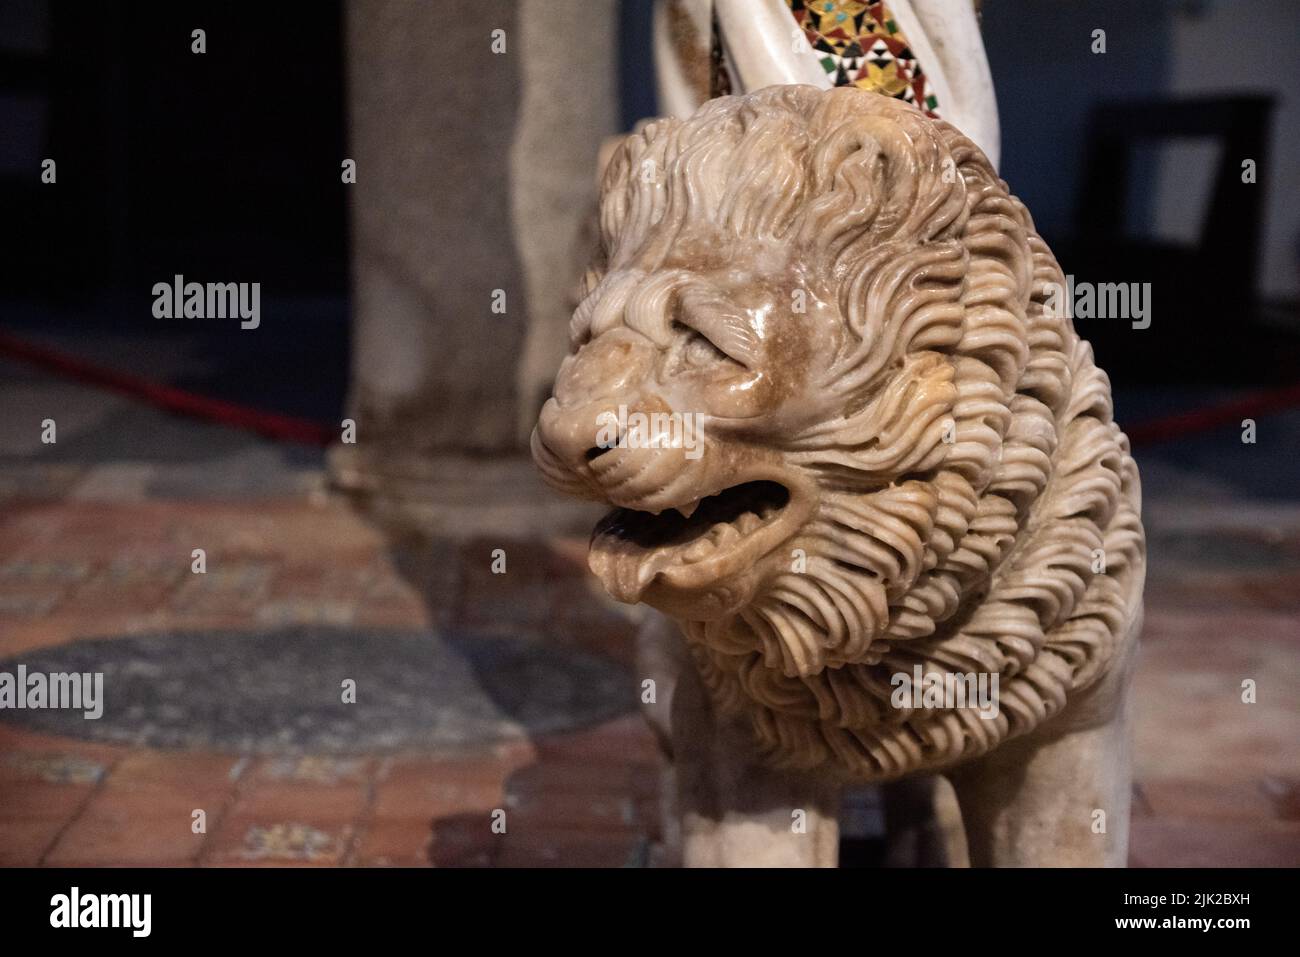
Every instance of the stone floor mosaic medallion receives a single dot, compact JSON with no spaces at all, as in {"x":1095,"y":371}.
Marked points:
{"x":282,"y":690}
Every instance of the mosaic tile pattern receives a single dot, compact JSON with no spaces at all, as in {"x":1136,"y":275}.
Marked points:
{"x":860,"y":44}
{"x":53,"y":768}
{"x":290,"y":842}
{"x":313,"y":769}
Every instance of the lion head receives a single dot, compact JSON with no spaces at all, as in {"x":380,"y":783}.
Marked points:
{"x":814,"y":375}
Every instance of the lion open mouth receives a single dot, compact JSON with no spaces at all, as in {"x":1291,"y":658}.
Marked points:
{"x":692,"y":548}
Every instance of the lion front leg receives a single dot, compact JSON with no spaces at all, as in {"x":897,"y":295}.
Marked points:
{"x":734,"y":811}
{"x":1058,"y":797}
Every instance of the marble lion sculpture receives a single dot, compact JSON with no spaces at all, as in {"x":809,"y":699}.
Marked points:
{"x":850,"y":443}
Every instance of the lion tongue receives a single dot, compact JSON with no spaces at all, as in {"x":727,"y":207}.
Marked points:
{"x":626,"y":572}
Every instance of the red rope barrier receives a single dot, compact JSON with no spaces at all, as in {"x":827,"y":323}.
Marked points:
{"x":1251,"y":406}
{"x":273,"y":425}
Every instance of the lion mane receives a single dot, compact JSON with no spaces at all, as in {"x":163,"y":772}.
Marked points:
{"x":979,"y":508}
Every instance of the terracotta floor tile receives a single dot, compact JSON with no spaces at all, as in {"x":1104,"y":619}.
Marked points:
{"x":624,"y":739}
{"x":1182,"y":842}
{"x":570,"y":849}
{"x":464,"y":841}
{"x":42,"y":798}
{"x":413,"y":786}
{"x":187,"y":772}
{"x":32,"y":814}
{"x":143,"y":810}
{"x":160,"y":865}
{"x":426,"y":571}
{"x":1223,"y":800}
{"x":144,"y":826}
{"x":544,"y":812}
{"x":514,"y":754}
{"x":1284,"y":794}
{"x":395,"y":842}
{"x":330,"y":802}
{"x":24,"y":601}
{"x":401,"y":613}
{"x":572,"y":775}
{"x":537,"y":583}
{"x":23,"y":840}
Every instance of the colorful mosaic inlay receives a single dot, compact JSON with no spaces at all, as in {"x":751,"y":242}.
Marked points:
{"x":860,"y":44}
{"x":291,"y":842}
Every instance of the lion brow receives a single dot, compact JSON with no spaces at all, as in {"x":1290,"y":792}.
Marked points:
{"x":710,"y":313}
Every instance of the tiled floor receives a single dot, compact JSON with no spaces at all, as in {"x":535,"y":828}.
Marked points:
{"x":74,"y":570}
{"x":102,"y":547}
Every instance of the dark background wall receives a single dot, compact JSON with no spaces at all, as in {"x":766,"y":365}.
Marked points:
{"x":1047,"y":79}
{"x":223,"y":166}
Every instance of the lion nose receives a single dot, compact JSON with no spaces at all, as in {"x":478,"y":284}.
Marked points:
{"x":605,"y":376}
{"x":571,"y":435}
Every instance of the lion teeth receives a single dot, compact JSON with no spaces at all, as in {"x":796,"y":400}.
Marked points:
{"x":697,"y":551}
{"x":689,"y":508}
{"x":725,"y":533}
{"x":748,"y":522}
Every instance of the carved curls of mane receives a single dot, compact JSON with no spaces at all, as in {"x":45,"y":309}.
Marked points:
{"x":974,"y":475}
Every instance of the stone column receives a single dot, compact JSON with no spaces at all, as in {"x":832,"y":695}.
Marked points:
{"x":474,"y":173}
